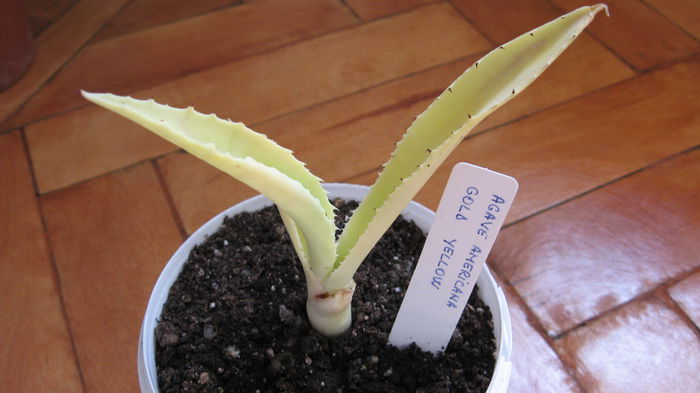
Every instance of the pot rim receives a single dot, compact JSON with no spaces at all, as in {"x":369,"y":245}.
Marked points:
{"x":489,"y":290}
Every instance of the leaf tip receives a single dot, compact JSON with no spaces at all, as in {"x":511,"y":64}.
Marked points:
{"x":600,"y":7}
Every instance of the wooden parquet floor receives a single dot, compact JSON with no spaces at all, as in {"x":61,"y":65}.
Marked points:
{"x":600,"y":257}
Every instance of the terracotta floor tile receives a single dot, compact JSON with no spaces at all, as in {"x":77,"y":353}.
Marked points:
{"x":36,"y":350}
{"x":502,"y":20}
{"x":536,"y":367}
{"x":645,"y":347}
{"x":373,"y":9}
{"x":606,"y":247}
{"x":572,"y":148}
{"x":55,"y":46}
{"x":638,"y":33}
{"x":142,"y":14}
{"x":199,"y":190}
{"x":110,"y":237}
{"x":687,"y":294}
{"x":147,"y":58}
{"x":684,"y":13}
{"x":255,"y":89}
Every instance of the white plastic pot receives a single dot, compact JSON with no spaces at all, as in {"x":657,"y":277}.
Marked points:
{"x":489,"y":290}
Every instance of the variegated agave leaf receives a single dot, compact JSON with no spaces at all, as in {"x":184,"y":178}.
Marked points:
{"x":251,"y":158}
{"x":489,"y":83}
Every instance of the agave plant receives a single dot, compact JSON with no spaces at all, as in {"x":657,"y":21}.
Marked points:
{"x":259,"y":162}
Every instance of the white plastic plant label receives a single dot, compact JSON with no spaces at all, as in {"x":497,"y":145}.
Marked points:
{"x":469,"y":216}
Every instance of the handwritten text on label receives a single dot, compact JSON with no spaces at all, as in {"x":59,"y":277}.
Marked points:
{"x":471,"y":212}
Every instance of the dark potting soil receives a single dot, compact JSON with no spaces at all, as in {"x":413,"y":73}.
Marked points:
{"x":235,"y":321}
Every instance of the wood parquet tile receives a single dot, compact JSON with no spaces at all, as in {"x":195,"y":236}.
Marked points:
{"x":588,"y":241}
{"x":536,"y":367}
{"x":638,"y":33}
{"x":108,"y":265}
{"x":687,"y":294}
{"x":502,"y":20}
{"x":132,"y":62}
{"x":613,"y":354}
{"x":684,"y":13}
{"x":36,"y":349}
{"x":143,"y":14}
{"x":43,"y":13}
{"x":55,"y":46}
{"x":372,"y":9}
